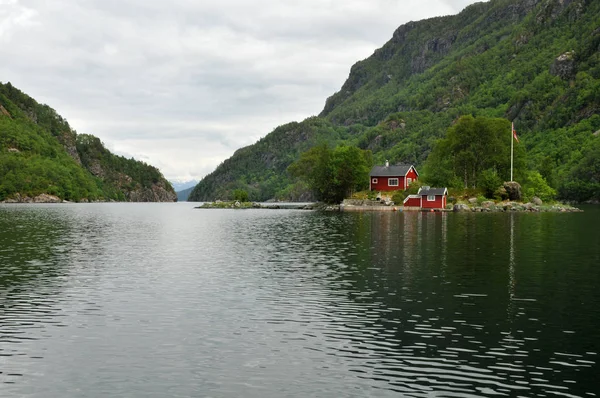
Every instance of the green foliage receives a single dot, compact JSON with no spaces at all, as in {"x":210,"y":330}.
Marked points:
{"x":398,"y":197}
{"x":333,"y":174}
{"x":490,"y":181}
{"x":240,"y":195}
{"x":491,"y":61}
{"x":472,"y":146}
{"x":536,"y":185}
{"x":40,"y":153}
{"x":583,"y":182}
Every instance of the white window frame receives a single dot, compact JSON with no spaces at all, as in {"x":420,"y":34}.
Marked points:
{"x":431,"y":198}
{"x":408,"y":181}
{"x":374,"y":181}
{"x":397,"y":184}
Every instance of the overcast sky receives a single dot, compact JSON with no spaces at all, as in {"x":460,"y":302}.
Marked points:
{"x":182,"y":84}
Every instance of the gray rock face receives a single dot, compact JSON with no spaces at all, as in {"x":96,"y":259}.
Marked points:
{"x":564,"y":66}
{"x":45,"y":198}
{"x":488,"y":204}
{"x":461,"y":208}
{"x":537,"y":201}
{"x":513,"y":190}
{"x":156,"y":193}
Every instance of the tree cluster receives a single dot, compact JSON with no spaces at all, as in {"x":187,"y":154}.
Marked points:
{"x":333,"y":174}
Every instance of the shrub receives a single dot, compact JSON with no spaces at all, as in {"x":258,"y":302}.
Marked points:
{"x":240,"y":195}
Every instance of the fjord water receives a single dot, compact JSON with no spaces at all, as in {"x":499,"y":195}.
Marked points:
{"x":161,"y":300}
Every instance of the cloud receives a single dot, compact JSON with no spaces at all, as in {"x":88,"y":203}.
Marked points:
{"x":183,"y":84}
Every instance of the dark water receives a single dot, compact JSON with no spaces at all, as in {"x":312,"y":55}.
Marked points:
{"x":160,"y":300}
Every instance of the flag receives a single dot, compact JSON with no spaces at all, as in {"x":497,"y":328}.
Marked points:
{"x":515,"y":133}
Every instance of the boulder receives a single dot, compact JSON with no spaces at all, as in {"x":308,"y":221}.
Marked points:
{"x":564,"y":66}
{"x":472,"y":200}
{"x":513,"y":190}
{"x":461,"y":208}
{"x":45,"y":198}
{"x":488,"y":204}
{"x":537,"y":201}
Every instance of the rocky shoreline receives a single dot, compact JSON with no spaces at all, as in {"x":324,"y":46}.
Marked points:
{"x":255,"y":205}
{"x":472,"y":205}
{"x":43,"y":198}
{"x":492,"y":207}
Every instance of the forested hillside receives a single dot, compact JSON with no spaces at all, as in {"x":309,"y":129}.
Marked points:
{"x":41,"y":154}
{"x":534,"y":62}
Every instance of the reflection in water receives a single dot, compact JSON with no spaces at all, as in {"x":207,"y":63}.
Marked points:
{"x":162,"y":300}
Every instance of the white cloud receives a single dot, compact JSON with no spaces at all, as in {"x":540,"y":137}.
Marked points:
{"x":183,"y":84}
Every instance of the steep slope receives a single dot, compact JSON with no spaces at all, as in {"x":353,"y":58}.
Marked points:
{"x":182,"y":196}
{"x":41,"y":154}
{"x":534,"y":62}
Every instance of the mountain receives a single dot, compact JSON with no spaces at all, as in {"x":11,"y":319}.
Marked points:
{"x":180,"y":185}
{"x":41,"y":155}
{"x":182,"y":196}
{"x":534,"y":62}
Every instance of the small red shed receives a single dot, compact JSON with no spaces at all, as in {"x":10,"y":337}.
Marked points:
{"x":392,"y":178}
{"x":427,"y":198}
{"x":433,"y":198}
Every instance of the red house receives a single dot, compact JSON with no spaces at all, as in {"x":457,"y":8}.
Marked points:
{"x":428,"y":198}
{"x":392,"y":178}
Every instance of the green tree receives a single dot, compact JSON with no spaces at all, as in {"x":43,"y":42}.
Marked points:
{"x":240,"y":195}
{"x":333,"y":174}
{"x":473,"y":145}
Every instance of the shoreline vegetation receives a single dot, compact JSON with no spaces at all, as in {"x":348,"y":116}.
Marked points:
{"x":473,"y":206}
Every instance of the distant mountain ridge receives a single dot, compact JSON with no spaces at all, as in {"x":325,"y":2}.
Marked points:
{"x":183,"y":195}
{"x":534,"y":62}
{"x":180,"y":185}
{"x":41,"y":157}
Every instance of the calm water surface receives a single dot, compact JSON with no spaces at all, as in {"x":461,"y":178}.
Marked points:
{"x":161,"y":300}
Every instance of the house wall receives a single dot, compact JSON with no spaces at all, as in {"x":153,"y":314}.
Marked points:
{"x":439,"y":203}
{"x":413,"y":202}
{"x":382,"y":184}
{"x":412,"y":174}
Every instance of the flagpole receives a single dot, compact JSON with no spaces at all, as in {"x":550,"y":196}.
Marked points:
{"x":512,"y":144}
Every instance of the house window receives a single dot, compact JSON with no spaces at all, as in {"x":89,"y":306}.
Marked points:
{"x":431,"y":198}
{"x":374,"y":180}
{"x":408,"y":181}
{"x":393,"y":182}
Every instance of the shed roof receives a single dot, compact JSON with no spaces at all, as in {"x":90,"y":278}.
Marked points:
{"x":391,"y":171}
{"x":432,"y":191}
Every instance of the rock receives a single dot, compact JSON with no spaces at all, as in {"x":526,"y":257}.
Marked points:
{"x":472,"y":200}
{"x":528,"y":206}
{"x":537,"y":201}
{"x":45,"y":198}
{"x":4,"y":112}
{"x":237,"y":204}
{"x":461,"y":208}
{"x":513,"y":189}
{"x":564,"y":66}
{"x":488,"y":204}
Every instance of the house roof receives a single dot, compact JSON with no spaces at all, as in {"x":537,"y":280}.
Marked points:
{"x":391,"y":171}
{"x":432,"y":191}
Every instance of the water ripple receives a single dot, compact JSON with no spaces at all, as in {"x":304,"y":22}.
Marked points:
{"x":162,"y":300}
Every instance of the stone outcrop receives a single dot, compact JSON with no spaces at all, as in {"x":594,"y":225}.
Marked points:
{"x":4,"y":112}
{"x":156,"y":193}
{"x":42,"y":198}
{"x":461,"y":208}
{"x":513,"y":190}
{"x":564,"y":66}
